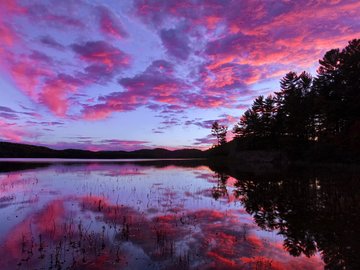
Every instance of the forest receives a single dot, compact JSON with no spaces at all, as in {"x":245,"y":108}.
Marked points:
{"x":309,"y":117}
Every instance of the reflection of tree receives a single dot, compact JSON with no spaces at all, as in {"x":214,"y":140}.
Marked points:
{"x":313,"y":213}
{"x":220,"y":189}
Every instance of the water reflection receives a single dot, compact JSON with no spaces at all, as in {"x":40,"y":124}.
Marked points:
{"x":315,"y":209}
{"x":161,"y":215}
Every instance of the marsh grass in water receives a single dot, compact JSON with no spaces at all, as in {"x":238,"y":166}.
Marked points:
{"x":130,"y":216}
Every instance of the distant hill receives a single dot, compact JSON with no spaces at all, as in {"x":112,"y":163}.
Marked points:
{"x":16,"y":150}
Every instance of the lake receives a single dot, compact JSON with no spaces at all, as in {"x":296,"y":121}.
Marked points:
{"x":176,"y":214}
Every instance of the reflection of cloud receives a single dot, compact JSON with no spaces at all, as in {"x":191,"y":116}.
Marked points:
{"x":42,"y":223}
{"x":113,"y":234}
{"x":125,"y":172}
{"x":219,"y":239}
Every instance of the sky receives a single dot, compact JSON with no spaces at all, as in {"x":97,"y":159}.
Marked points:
{"x":131,"y":74}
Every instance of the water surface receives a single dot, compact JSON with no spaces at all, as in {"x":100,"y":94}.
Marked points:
{"x":174,"y":214}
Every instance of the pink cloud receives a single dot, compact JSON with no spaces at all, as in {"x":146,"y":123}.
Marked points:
{"x":27,"y":73}
{"x":7,"y":35}
{"x":110,"y":25}
{"x":54,"y":93}
{"x":224,"y":119}
{"x":12,"y":132}
{"x":157,"y":83}
{"x":101,"y":52}
{"x":256,"y":36}
{"x":36,"y":76}
{"x":43,"y":77}
{"x":228,"y":46}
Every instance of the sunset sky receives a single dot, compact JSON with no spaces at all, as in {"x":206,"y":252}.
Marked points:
{"x":102,"y":75}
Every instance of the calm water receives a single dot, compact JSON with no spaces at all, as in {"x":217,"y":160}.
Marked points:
{"x":176,"y":215}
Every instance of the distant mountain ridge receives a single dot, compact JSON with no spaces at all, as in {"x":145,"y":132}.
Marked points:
{"x":17,"y":150}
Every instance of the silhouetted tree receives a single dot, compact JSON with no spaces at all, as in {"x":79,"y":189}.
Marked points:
{"x":327,"y":87}
{"x":322,"y":112}
{"x":268,"y":116}
{"x":247,"y":125}
{"x":337,"y":89}
{"x":219,"y":131}
{"x":293,"y":114}
{"x":257,"y":121}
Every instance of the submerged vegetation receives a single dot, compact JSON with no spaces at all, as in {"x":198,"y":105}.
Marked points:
{"x":310,"y":116}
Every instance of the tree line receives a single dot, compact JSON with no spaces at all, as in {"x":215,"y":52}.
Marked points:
{"x":320,"y":109}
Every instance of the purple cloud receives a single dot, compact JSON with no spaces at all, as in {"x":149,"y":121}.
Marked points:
{"x":51,"y":42}
{"x":111,"y":25}
{"x":176,"y":43}
{"x":101,"y":52}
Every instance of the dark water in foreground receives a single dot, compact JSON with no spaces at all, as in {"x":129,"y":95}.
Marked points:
{"x":177,"y":215}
